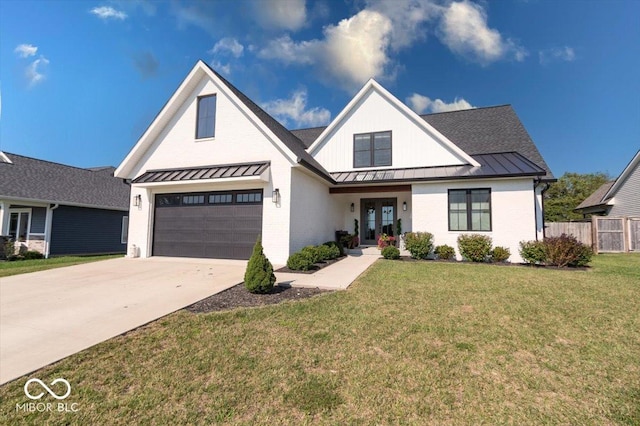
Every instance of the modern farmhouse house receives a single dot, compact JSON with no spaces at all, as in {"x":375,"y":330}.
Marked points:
{"x":213,"y":171}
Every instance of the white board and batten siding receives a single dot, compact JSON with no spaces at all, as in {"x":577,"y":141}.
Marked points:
{"x":626,"y":202}
{"x":412,"y":146}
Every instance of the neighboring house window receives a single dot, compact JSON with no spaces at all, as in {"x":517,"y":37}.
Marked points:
{"x":206,"y":125}
{"x":124,"y":236}
{"x":372,"y":149}
{"x":470,"y":210}
{"x":19,"y":226}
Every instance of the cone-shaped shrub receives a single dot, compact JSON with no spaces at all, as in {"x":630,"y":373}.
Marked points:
{"x":259,"y":277}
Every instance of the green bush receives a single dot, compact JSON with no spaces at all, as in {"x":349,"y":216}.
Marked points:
{"x":445,"y":252}
{"x":566,"y":250}
{"x":313,"y":253}
{"x":327,"y":253}
{"x":419,"y":244}
{"x":32,"y":254}
{"x":9,"y":249}
{"x":299,"y":262}
{"x":533,"y":252}
{"x":391,"y":252}
{"x":474,"y":247}
{"x":259,"y":276}
{"x":500,"y":254}
{"x":337,"y":246}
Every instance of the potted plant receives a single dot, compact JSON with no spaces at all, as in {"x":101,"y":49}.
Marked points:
{"x":385,"y":240}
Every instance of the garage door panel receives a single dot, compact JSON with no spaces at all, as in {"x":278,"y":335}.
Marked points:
{"x":214,"y":231}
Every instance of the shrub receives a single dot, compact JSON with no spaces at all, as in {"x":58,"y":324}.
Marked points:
{"x":259,"y":276}
{"x":445,"y":252}
{"x":299,"y":262}
{"x":533,"y":252}
{"x":500,"y":254}
{"x":338,"y":247}
{"x":419,"y":244}
{"x":391,"y":252}
{"x":312,"y":252}
{"x":32,"y":254}
{"x":327,"y":253}
{"x":474,"y":247}
{"x":566,"y":250}
{"x":9,"y":249}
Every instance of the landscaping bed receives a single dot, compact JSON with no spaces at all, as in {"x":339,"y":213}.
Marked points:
{"x":314,"y":268}
{"x":238,"y":297}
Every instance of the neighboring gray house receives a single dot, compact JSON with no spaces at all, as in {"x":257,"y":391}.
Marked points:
{"x":61,"y":210}
{"x":619,"y":198}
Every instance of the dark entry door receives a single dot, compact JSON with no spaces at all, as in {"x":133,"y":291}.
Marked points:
{"x":378,"y":216}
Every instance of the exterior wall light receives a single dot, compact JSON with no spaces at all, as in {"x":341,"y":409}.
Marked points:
{"x":353,"y":207}
{"x":404,"y":206}
{"x":137,"y":200}
{"x":275,"y":196}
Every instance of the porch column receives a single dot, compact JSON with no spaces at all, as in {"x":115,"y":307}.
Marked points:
{"x":47,"y":229}
{"x":4,"y":218}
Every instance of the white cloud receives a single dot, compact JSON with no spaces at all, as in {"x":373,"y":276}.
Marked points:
{"x":108,"y":12}
{"x":230,"y":45}
{"x":423,"y":104}
{"x":281,"y":14}
{"x":565,"y":53}
{"x":34,"y":73}
{"x":26,"y":50}
{"x":407,"y":17}
{"x":464,"y":30}
{"x":221,"y":68}
{"x":294,"y":111}
{"x":350,"y":53}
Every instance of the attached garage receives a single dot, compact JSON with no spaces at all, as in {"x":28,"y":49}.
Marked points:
{"x":221,"y":224}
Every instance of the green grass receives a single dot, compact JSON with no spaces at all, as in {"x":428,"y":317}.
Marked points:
{"x":408,"y":343}
{"x":25,"y":266}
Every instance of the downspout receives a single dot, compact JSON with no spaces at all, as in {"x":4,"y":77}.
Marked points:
{"x":535,"y":212}
{"x":48,"y":225}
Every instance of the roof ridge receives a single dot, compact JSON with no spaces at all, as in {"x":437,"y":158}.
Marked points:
{"x":56,"y":163}
{"x":466,"y":109}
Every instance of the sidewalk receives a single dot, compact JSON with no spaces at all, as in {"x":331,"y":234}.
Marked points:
{"x":338,"y":276}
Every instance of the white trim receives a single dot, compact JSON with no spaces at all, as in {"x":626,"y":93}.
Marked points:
{"x":623,"y":176}
{"x":27,"y":210}
{"x":373,"y":85}
{"x":33,"y":202}
{"x":4,"y":158}
{"x":47,"y":228}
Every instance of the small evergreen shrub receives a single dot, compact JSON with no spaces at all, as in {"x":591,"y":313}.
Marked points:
{"x":259,"y":276}
{"x":419,"y":244}
{"x":299,"y":262}
{"x":9,"y":249}
{"x":391,"y":252}
{"x":445,"y":252}
{"x":500,"y":254}
{"x":533,"y":252}
{"x":474,"y":247}
{"x":312,"y":252}
{"x":325,"y":252}
{"x":566,"y":250}
{"x":32,"y":254}
{"x":339,"y":247}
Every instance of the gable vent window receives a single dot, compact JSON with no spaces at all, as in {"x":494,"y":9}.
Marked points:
{"x":206,"y":125}
{"x":372,"y":149}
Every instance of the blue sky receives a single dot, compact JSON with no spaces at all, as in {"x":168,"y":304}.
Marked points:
{"x":81,"y":80}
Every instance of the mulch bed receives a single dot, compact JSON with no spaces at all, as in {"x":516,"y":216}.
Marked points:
{"x":316,"y":267}
{"x":238,"y":297}
{"x":525,"y":265}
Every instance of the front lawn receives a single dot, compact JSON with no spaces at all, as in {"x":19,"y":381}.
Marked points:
{"x":409,"y":343}
{"x":24,"y":266}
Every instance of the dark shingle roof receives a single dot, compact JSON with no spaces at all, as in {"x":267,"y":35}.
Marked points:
{"x":506,"y":164}
{"x":198,"y":173}
{"x":289,"y":139}
{"x":32,"y":179}
{"x":597,"y":198}
{"x":475,"y":131}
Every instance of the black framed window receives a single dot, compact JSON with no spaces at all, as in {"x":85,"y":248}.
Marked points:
{"x":245,"y":196}
{"x":220,"y":198}
{"x":249,"y":197}
{"x":372,"y":149}
{"x":192,"y":200}
{"x":470,"y":209}
{"x":206,"y":124}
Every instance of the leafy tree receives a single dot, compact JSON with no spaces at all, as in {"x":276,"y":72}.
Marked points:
{"x":568,"y":192}
{"x":259,"y":276}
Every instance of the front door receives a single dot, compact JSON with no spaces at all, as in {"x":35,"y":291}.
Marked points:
{"x":378,"y":216}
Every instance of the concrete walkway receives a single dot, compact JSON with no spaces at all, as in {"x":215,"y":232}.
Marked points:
{"x":48,"y":315}
{"x":338,"y":276}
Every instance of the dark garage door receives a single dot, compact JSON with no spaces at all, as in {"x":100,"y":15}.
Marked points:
{"x":221,"y":225}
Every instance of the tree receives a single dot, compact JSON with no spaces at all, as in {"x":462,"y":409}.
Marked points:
{"x":259,"y":276}
{"x":568,"y":192}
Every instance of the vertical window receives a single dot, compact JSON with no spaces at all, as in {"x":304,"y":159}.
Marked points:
{"x":206,"y":125}
{"x":470,"y":210}
{"x":19,"y":226}
{"x":124,"y":236}
{"x":372,"y":149}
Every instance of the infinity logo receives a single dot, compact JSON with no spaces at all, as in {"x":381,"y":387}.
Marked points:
{"x":52,"y":393}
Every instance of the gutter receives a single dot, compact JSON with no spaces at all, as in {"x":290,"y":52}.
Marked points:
{"x":535,"y":211}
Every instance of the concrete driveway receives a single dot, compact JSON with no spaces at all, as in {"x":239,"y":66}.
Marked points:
{"x":46,"y":316}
